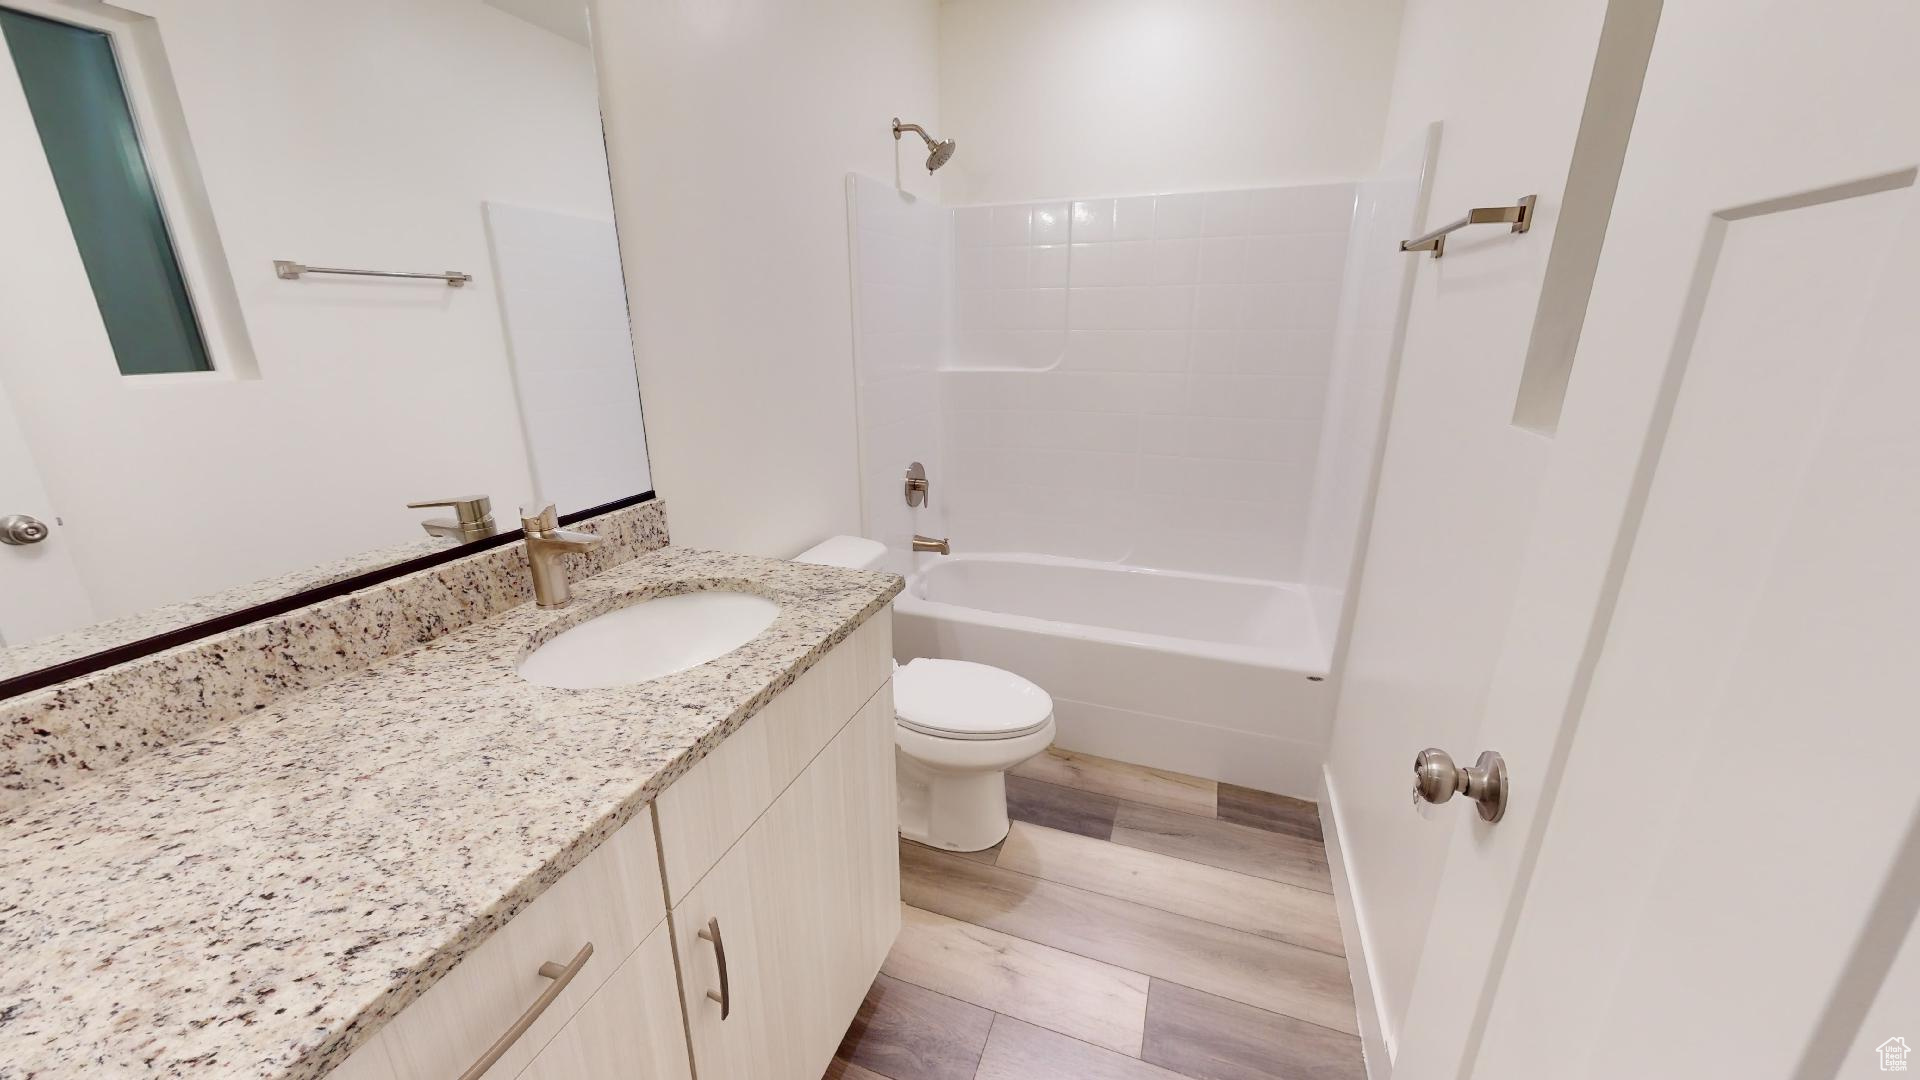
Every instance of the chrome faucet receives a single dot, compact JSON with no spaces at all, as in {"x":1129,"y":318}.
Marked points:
{"x":928,"y":543}
{"x":546,"y":543}
{"x":472,"y":518}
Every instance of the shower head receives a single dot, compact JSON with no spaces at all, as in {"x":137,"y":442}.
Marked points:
{"x":938,"y":152}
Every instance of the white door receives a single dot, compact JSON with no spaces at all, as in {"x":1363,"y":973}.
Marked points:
{"x":40,"y":589}
{"x":45,"y":307}
{"x":1708,"y":695}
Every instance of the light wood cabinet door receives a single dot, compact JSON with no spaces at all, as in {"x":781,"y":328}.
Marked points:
{"x":706,"y":811}
{"x":806,"y":905}
{"x":630,"y":1030}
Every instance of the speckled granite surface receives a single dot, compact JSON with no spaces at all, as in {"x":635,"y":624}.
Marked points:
{"x":111,"y":633}
{"x":256,"y":900}
{"x":53,"y":737}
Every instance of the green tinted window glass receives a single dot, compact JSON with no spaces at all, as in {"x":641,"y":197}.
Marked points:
{"x":86,"y":128}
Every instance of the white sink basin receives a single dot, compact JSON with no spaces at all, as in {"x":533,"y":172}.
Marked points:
{"x":649,"y":639}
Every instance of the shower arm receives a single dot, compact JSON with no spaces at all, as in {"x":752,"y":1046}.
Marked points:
{"x":899,"y":127}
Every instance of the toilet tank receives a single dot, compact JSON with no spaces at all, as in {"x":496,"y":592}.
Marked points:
{"x":850,"y":552}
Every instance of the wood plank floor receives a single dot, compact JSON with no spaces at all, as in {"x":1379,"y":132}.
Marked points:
{"x":1136,"y":924}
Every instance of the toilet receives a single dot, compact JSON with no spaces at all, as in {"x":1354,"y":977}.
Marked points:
{"x":958,"y":728}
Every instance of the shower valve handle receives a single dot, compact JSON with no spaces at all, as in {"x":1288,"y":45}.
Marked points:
{"x":919,"y":491}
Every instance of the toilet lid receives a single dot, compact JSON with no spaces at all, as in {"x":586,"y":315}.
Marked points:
{"x":956,"y":699}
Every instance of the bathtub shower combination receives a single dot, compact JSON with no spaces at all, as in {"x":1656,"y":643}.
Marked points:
{"x":1149,"y":427}
{"x":1205,"y":675}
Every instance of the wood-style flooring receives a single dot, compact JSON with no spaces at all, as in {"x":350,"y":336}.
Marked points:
{"x":1135,"y":924}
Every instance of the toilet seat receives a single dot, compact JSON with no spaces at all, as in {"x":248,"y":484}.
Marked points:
{"x":957,"y":699}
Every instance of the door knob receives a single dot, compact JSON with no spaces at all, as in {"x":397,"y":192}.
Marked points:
{"x":20,"y":530}
{"x":1436,"y":779}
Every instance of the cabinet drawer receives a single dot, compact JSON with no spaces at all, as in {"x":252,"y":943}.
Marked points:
{"x":631,"y":1030}
{"x":704,"y":812}
{"x":612,"y":899}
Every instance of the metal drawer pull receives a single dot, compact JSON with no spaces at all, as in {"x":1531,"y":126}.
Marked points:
{"x":561,"y":976}
{"x":725,"y":996}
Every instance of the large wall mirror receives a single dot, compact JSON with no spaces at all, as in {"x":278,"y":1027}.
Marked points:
{"x":273,"y":270}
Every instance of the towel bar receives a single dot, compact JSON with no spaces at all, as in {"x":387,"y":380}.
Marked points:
{"x":1520,"y":216}
{"x":291,"y":271}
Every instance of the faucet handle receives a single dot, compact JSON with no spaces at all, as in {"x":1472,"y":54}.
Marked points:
{"x":464,"y":506}
{"x":473,"y":517}
{"x":542,"y":521}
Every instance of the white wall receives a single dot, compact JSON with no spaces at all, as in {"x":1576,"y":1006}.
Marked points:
{"x":1458,"y":484}
{"x":731,"y":128}
{"x":1058,"y":98}
{"x":361,"y":133}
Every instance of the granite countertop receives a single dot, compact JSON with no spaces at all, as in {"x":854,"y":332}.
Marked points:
{"x":112,"y":633}
{"x":257,"y":901}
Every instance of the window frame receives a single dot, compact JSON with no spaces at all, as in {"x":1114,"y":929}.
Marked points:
{"x":160,"y":127}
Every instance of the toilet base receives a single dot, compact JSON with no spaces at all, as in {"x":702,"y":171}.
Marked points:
{"x":950,"y":811}
{"x":953,"y":793}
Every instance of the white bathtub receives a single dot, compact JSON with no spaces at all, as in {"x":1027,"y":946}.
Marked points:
{"x":1213,"y":676}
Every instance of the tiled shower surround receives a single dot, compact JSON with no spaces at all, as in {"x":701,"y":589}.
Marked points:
{"x":1102,"y":355}
{"x":899,"y":255}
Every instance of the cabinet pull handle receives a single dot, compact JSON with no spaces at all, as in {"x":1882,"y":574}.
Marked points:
{"x":561,"y":976}
{"x":725,"y":996}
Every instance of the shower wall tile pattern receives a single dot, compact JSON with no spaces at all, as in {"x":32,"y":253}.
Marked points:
{"x":1169,"y":350}
{"x":1010,"y":285}
{"x":1139,"y":380}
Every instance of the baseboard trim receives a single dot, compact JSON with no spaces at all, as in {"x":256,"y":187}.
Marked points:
{"x":1353,"y":931}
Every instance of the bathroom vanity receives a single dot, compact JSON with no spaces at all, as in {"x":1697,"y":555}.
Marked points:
{"x":767,"y":876}
{"x":281,"y":801}
{"x":435,"y":868}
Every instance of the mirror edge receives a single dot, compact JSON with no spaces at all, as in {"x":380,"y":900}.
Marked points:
{"x":79,"y":667}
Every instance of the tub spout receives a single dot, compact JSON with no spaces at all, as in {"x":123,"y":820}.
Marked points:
{"x":928,"y":543}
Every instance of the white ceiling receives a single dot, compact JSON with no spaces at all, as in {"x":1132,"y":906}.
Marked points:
{"x":568,"y":18}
